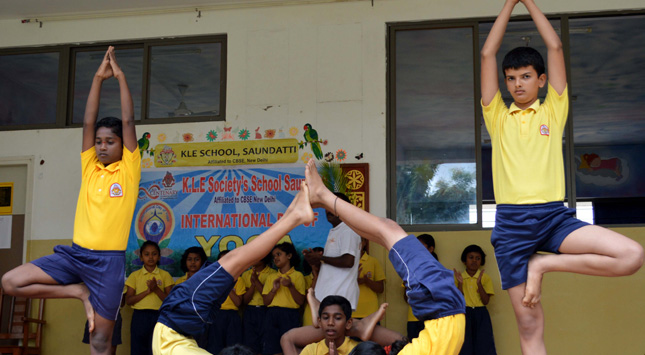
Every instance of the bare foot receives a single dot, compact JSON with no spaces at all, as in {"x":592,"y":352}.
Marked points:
{"x":89,"y":310}
{"x":365,"y":327}
{"x":533,"y":291}
{"x":300,"y":208}
{"x":317,"y":189}
{"x":314,"y":305}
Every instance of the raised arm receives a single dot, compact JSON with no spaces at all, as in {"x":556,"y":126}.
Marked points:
{"x":127,"y":107}
{"x":94,"y":98}
{"x":489,"y":79}
{"x":557,"y":73}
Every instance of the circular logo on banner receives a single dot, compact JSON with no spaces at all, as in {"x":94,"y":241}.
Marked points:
{"x":155,"y":221}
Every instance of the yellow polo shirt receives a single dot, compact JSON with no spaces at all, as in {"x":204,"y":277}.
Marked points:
{"x":181,"y":279}
{"x":368,"y":299}
{"x":257,"y":295}
{"x":138,"y":282}
{"x":470,"y":288}
{"x":320,"y":348}
{"x":527,"y":158}
{"x":239,"y":290}
{"x":283,"y":297}
{"x":106,"y":201}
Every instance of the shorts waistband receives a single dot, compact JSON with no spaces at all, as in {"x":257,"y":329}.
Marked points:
{"x":509,"y":207}
{"x":102,"y":252}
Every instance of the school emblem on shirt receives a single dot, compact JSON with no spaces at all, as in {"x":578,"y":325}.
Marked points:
{"x":544,"y":130}
{"x":116,"y":190}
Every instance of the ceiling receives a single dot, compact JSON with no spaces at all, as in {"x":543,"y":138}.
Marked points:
{"x":43,"y":9}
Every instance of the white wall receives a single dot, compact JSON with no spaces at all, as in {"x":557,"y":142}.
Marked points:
{"x":324,"y":64}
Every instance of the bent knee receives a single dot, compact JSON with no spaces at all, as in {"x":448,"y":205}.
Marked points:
{"x":633,"y":257}
{"x":9,"y":283}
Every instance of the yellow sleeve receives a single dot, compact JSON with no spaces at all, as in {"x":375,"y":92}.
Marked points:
{"x":246,"y":277}
{"x":132,"y":163}
{"x":309,"y":349}
{"x":558,"y":105}
{"x":493,"y":113}
{"x":131,"y":281}
{"x":378,"y":271}
{"x":88,"y":160}
{"x":487,"y":283}
{"x":298,"y":280}
{"x":239,"y":287}
{"x":268,"y":284}
{"x":166,"y":278}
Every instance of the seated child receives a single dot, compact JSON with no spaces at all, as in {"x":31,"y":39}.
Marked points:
{"x":477,"y":288}
{"x":191,"y":261}
{"x":430,"y":288}
{"x":147,"y":288}
{"x":255,"y":310}
{"x":226,"y":329}
{"x":334,"y":317}
{"x":193,"y":303}
{"x":296,"y":339}
{"x":283,"y":294}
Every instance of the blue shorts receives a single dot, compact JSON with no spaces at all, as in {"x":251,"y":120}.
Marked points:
{"x":430,"y":287}
{"x":193,"y":303}
{"x":102,"y":271}
{"x":522,"y":230}
{"x":278,"y":321}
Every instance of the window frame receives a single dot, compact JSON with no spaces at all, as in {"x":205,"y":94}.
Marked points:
{"x":67,"y":69}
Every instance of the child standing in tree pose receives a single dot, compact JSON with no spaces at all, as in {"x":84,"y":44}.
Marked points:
{"x":283,"y":294}
{"x":528,"y":179}
{"x":477,"y":288}
{"x":93,"y":268}
{"x":147,"y":288}
{"x":430,"y":286}
{"x":192,"y":304}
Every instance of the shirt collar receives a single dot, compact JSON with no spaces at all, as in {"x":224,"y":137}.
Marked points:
{"x":291,"y":271}
{"x":465,"y":275}
{"x":155,"y":271}
{"x":111,"y":168}
{"x":364,"y":257}
{"x":533,"y":107}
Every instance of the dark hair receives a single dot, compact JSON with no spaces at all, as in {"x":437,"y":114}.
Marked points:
{"x":428,"y":240}
{"x":398,"y":345}
{"x":368,"y":348}
{"x":341,"y":301}
{"x":523,"y":57}
{"x":342,"y":196}
{"x":149,"y":243}
{"x":112,"y":123}
{"x":319,"y":249}
{"x":192,"y":250}
{"x":289,"y":249}
{"x":236,"y":349}
{"x":473,"y":249}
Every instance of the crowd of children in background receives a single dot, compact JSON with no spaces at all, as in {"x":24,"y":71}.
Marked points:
{"x":272,"y":293}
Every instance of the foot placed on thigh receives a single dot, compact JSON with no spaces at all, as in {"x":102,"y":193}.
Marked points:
{"x":533,"y":291}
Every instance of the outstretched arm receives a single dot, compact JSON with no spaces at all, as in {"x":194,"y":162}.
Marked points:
{"x":127,"y":107}
{"x":93,"y":100}
{"x":489,"y":80}
{"x":555,"y":55}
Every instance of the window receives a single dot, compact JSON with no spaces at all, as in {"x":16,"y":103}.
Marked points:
{"x":439,"y":150}
{"x":28,"y":89}
{"x":171,"y":80}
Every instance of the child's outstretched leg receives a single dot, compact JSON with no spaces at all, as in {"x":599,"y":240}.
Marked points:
{"x":590,"y":250}
{"x":381,"y":230}
{"x":298,"y":212}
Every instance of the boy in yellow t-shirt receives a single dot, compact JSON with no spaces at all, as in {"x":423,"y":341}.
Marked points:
{"x":334,"y":317}
{"x":93,"y":268}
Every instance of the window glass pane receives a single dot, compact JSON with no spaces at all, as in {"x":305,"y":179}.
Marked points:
{"x":28,"y":88}
{"x":185,"y":80}
{"x":435,"y":145}
{"x":608,"y":103}
{"x":518,"y":34}
{"x":87,"y":62}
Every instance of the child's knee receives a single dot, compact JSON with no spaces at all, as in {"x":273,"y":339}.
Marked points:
{"x":9,"y":284}
{"x":634,"y":256}
{"x":529,"y":323}
{"x":100,"y":340}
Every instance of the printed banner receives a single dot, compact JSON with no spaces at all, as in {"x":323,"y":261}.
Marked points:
{"x":226,"y":153}
{"x":216,"y":208}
